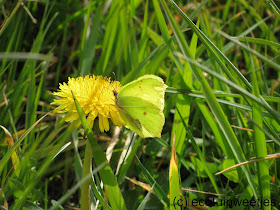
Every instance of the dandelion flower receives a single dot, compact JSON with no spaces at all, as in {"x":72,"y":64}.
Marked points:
{"x":95,"y":96}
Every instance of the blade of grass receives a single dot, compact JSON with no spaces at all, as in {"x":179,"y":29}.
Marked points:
{"x":219,"y":137}
{"x":8,"y":154}
{"x":144,"y":202}
{"x":185,"y":71}
{"x":88,"y":47}
{"x":265,"y":59}
{"x":106,"y":173}
{"x":158,"y":190}
{"x":274,"y":114}
{"x":30,"y":67}
{"x":260,"y":141}
{"x":57,"y":150}
{"x":184,"y":103}
{"x":14,"y":157}
{"x":165,"y":33}
{"x":201,"y":157}
{"x":27,"y":56}
{"x":259,"y":41}
{"x":157,"y":51}
{"x":255,"y":14}
{"x":274,"y":7}
{"x":144,"y":35}
{"x":13,"y":45}
{"x":127,"y":163}
{"x":112,"y":36}
{"x":174,"y":177}
{"x":78,"y":169}
{"x":86,"y":171}
{"x":6,"y":22}
{"x":77,"y":186}
{"x":217,"y":54}
{"x":212,"y":102}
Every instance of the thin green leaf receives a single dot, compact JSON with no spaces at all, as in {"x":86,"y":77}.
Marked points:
{"x":158,"y":190}
{"x":144,"y":202}
{"x":106,"y":173}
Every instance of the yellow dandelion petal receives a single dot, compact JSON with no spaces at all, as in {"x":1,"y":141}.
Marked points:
{"x":90,"y":122}
{"x":95,"y":96}
{"x":71,"y":116}
{"x":116,"y":118}
{"x":103,"y":123}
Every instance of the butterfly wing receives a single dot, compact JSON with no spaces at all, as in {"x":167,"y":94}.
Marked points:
{"x":142,"y":117}
{"x":141,"y":104}
{"x":148,"y":87}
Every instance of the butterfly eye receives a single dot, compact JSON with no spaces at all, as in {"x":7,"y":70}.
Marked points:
{"x":115,"y":92}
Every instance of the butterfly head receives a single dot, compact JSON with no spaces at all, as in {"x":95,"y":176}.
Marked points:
{"x":115,"y":93}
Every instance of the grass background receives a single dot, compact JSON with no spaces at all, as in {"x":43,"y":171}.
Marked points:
{"x":220,"y":60}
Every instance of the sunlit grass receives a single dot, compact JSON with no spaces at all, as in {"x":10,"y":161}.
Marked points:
{"x":221,"y":63}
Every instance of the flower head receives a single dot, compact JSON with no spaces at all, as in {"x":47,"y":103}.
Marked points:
{"x":95,"y":96}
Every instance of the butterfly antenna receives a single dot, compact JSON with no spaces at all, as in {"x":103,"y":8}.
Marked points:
{"x":114,"y":75}
{"x":111,"y":89}
{"x":115,"y":91}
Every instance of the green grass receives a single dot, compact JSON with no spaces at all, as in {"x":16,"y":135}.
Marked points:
{"x":221,"y":63}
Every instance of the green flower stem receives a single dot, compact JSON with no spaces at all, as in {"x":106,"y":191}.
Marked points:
{"x":86,"y":171}
{"x":106,"y":173}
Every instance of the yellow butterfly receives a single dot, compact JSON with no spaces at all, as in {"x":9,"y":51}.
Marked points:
{"x":141,"y":104}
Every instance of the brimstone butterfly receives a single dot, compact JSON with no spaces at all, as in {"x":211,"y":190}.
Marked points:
{"x":141,"y":104}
